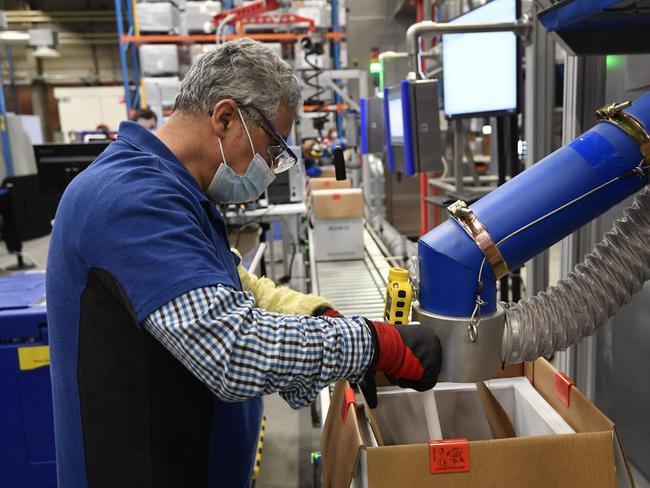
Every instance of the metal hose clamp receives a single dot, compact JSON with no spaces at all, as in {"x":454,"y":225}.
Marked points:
{"x":613,"y":113}
{"x":466,"y":218}
{"x":511,"y":340}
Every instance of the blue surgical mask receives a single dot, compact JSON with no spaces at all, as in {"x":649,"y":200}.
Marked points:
{"x":229,"y":187}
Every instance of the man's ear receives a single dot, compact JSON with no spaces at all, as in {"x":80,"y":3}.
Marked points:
{"x":223,"y":116}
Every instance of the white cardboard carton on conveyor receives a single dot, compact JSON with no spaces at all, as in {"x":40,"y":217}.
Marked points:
{"x":338,"y":224}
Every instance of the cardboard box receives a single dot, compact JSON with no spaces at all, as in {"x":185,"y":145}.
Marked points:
{"x":328,"y":184}
{"x":338,"y":204}
{"x":328,"y":172}
{"x":338,"y":239}
{"x":338,"y":224}
{"x":591,"y":457}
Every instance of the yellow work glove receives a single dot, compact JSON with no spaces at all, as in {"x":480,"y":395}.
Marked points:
{"x":282,"y":299}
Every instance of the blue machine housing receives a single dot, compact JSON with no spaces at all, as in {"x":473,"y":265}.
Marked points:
{"x":409,"y":149}
{"x":449,"y":258}
{"x":389,"y":145}
{"x":27,"y":455}
{"x":599,"y":26}
{"x":363,"y":105}
{"x":407,"y":117}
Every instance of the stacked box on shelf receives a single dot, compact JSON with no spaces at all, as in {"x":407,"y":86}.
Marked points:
{"x":159,"y":17}
{"x":161,"y":91}
{"x":159,"y":59}
{"x":199,"y":15}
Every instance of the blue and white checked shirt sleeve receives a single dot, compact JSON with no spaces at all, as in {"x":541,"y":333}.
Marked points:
{"x":240,"y":351}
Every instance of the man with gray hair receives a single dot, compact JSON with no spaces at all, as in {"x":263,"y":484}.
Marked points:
{"x":159,"y":357}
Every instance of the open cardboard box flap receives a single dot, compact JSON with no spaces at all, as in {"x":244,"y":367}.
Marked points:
{"x":341,"y":441}
{"x":592,"y":457}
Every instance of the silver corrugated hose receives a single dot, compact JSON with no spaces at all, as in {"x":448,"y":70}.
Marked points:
{"x":595,"y":290}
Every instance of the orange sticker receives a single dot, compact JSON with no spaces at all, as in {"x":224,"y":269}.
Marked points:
{"x":449,"y":456}
{"x":336,"y":196}
{"x":347,"y":401}
{"x":563,"y":386}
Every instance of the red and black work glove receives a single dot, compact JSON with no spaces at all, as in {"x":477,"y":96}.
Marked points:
{"x":409,"y":355}
{"x":327,"y":312}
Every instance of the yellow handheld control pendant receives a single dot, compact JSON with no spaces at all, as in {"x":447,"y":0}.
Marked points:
{"x":399,"y":294}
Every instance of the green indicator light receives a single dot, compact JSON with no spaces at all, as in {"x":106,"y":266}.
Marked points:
{"x":375,"y":68}
{"x":614,"y":62}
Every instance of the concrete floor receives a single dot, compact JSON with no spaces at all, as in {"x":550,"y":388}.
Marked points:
{"x":290,"y":437}
{"x":289,"y":441}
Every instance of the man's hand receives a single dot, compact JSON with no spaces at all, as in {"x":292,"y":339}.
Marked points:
{"x":409,"y":355}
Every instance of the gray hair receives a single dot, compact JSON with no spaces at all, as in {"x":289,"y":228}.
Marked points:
{"x":244,"y":70}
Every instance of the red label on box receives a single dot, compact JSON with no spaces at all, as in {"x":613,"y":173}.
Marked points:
{"x":563,"y":386}
{"x":449,"y":456}
{"x":336,"y":196}
{"x":347,"y":401}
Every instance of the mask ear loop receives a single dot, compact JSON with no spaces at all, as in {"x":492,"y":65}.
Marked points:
{"x":223,"y":156}
{"x":247,"y":133}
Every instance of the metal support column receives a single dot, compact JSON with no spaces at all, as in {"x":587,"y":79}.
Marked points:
{"x":4,"y":130}
{"x":135,"y":62}
{"x":336,"y":55}
{"x":584,"y":93}
{"x":12,"y":77}
{"x":507,"y":135}
{"x":459,"y":172}
{"x":125,"y":25}
{"x":538,"y":126}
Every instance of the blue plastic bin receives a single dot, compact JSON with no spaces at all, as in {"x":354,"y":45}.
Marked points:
{"x":27,"y":456}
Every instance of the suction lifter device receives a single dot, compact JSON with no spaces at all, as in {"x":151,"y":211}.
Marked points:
{"x":461,"y":260}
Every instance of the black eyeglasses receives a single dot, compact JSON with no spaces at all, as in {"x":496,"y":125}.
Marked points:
{"x":282,"y":157}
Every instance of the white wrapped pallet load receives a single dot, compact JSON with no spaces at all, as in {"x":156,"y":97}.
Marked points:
{"x":199,"y":16}
{"x":159,"y":59}
{"x":158,"y":17}
{"x":161,"y":91}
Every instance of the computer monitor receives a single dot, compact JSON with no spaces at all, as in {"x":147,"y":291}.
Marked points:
{"x":58,"y":164}
{"x":394,"y":126}
{"x":481,"y":70}
{"x":412,"y":118}
{"x":396,"y":118}
{"x":24,"y":213}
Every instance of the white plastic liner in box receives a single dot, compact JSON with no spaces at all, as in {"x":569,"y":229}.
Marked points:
{"x":407,"y":416}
